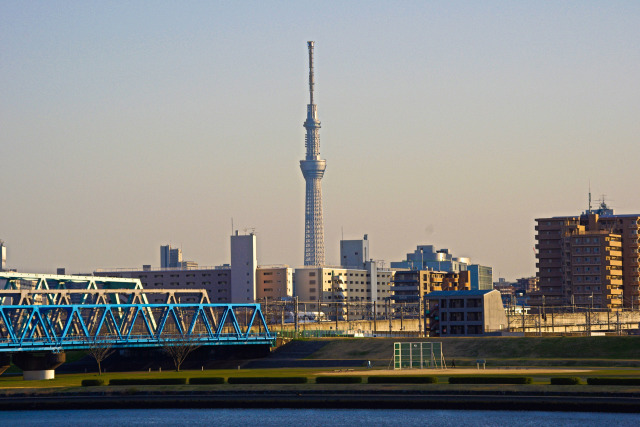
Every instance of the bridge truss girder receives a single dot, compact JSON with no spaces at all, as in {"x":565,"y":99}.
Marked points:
{"x":82,"y":326}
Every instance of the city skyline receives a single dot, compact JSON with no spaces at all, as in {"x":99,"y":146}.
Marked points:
{"x":124,"y":127}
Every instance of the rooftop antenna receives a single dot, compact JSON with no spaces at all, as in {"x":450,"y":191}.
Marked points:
{"x":603,"y":204}
{"x":589,"y":196}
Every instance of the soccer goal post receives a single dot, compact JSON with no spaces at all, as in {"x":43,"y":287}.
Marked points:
{"x":418,"y":355}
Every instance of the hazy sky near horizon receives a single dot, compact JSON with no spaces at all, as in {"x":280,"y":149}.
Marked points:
{"x":127,"y":125}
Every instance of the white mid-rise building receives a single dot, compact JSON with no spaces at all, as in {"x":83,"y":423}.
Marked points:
{"x":354,"y":253}
{"x":244,"y":262}
{"x":3,"y":256}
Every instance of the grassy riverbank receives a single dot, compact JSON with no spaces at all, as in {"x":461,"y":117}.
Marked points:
{"x":498,"y":351}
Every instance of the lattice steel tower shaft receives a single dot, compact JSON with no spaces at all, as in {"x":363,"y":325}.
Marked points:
{"x":313,"y":170}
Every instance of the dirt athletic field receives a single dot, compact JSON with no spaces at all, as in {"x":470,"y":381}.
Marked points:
{"x":459,"y":371}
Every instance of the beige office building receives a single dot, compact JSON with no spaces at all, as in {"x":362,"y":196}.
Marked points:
{"x":274,"y":282}
{"x":327,"y":285}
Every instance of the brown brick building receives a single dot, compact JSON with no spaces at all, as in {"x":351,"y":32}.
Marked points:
{"x":590,"y":260}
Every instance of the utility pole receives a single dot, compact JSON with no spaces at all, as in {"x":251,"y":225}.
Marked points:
{"x":420,"y":316}
{"x":347,"y":304}
{"x":539,"y":322}
{"x":375,"y":319}
{"x":282,"y":316}
{"x":388,"y":314}
{"x":295,"y":314}
{"x":426,"y":309}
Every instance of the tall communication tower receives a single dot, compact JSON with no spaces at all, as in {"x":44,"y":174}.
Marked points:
{"x":313,"y":170}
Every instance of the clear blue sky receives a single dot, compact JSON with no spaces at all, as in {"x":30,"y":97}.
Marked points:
{"x":127,"y":125}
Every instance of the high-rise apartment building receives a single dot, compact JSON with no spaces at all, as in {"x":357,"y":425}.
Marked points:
{"x":588,"y":260}
{"x":170,"y":257}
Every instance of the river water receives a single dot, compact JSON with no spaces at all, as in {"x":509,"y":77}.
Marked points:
{"x":312,"y":417}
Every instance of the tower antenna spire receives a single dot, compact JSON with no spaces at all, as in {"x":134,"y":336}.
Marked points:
{"x":311,"y":81}
{"x":589,"y":196}
{"x":313,"y":170}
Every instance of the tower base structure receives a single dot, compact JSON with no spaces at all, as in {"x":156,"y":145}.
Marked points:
{"x":40,"y":365}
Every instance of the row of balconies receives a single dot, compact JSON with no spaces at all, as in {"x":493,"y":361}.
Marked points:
{"x":554,"y":226}
{"x":550,"y":274}
{"x":405,"y":288}
{"x":547,"y":292}
{"x":548,"y":300}
{"x":462,"y":322}
{"x":556,"y":264}
{"x":547,"y":245}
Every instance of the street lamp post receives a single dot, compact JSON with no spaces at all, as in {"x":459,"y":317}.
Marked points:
{"x":590,"y":310}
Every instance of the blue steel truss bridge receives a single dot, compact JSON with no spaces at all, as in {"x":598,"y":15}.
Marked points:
{"x":58,"y":313}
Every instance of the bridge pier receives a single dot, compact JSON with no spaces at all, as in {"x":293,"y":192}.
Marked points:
{"x":38,"y":365}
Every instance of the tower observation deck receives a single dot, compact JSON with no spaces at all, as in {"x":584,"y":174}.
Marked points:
{"x":313,"y":170}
